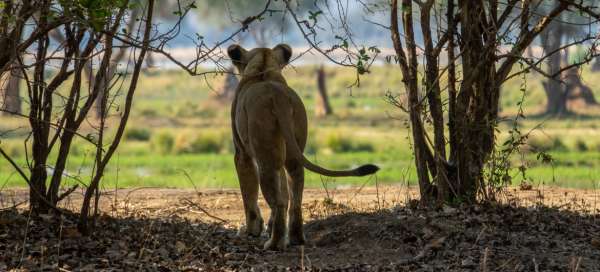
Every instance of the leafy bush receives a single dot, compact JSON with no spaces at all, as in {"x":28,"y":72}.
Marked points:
{"x":340,"y":144}
{"x":207,"y":142}
{"x":581,"y":146}
{"x":363,"y":147}
{"x":149,"y":113}
{"x":543,"y":143}
{"x":138,"y":134}
{"x":163,"y":143}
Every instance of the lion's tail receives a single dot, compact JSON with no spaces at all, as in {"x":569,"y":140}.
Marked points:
{"x":282,"y":109}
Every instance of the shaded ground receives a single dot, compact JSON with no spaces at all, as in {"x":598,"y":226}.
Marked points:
{"x":352,"y":230}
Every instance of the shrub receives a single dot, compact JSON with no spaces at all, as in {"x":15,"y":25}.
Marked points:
{"x":138,"y":134}
{"x":543,"y":143}
{"x":182,"y":143}
{"x":581,"y":146}
{"x":363,"y":147}
{"x":208,"y":142}
{"x":149,"y":113}
{"x":340,"y":144}
{"x":351,"y":104}
{"x":163,"y":143}
{"x":558,"y":144}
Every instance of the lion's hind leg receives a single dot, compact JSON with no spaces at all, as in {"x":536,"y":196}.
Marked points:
{"x":296,"y":186}
{"x":271,"y":188}
{"x":283,"y":181}
{"x":249,"y":186}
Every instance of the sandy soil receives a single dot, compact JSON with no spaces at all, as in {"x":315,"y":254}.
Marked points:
{"x":350,"y":229}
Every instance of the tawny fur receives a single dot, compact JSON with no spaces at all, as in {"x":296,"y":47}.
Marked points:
{"x":269,"y":131}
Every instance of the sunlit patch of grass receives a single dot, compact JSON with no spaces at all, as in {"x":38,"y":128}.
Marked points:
{"x":173,"y":103}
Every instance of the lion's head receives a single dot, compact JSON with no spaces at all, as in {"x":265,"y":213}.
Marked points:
{"x":260,"y":61}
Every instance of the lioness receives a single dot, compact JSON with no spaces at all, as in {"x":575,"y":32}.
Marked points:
{"x":269,"y":133}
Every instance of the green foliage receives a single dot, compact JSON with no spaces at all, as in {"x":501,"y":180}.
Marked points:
{"x":339,"y":143}
{"x":163,"y":143}
{"x":137,"y":134}
{"x":581,"y":146}
{"x":205,"y":142}
{"x":92,"y":12}
{"x":544,"y":143}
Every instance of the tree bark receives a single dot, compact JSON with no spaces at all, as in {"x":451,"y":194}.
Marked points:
{"x":554,"y":89}
{"x":120,"y":56}
{"x":10,"y":91}
{"x":322,"y":105}
{"x":477,"y":102}
{"x":409,"y":67}
{"x":228,"y":86}
{"x":576,"y":89}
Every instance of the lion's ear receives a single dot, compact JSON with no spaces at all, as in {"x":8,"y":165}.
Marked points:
{"x":284,"y":52}
{"x":236,"y":53}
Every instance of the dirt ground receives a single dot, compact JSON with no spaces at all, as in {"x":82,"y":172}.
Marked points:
{"x":350,"y":229}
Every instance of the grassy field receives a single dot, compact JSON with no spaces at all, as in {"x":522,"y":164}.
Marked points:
{"x":179,"y":134}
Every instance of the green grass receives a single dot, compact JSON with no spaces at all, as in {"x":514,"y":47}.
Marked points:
{"x":212,"y":170}
{"x":180,"y":106}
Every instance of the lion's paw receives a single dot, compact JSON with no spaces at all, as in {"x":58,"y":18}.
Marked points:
{"x":297,"y":240}
{"x":254,"y":231}
{"x":280,"y":245}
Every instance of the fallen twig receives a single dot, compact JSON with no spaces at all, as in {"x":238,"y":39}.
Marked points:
{"x":197,"y":206}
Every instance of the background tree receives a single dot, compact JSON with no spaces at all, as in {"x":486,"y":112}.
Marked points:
{"x":322,"y":105}
{"x":166,"y":10}
{"x":559,"y":86}
{"x":15,"y":16}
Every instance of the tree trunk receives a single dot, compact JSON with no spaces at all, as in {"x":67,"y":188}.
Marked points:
{"x":575,"y":88}
{"x":596,"y":65}
{"x":557,"y":101}
{"x":409,"y":66}
{"x":228,"y":87}
{"x":322,"y":105}
{"x":10,"y":91}
{"x":104,"y":85}
{"x":555,"y":91}
{"x":477,"y":103}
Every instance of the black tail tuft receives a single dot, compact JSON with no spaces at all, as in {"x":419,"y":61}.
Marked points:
{"x":367,"y":169}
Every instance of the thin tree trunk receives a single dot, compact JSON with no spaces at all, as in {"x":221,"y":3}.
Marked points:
{"x":226,"y":92}
{"x":409,"y":66}
{"x":120,"y":56}
{"x":10,"y":91}
{"x":322,"y":107}
{"x":445,"y":188}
